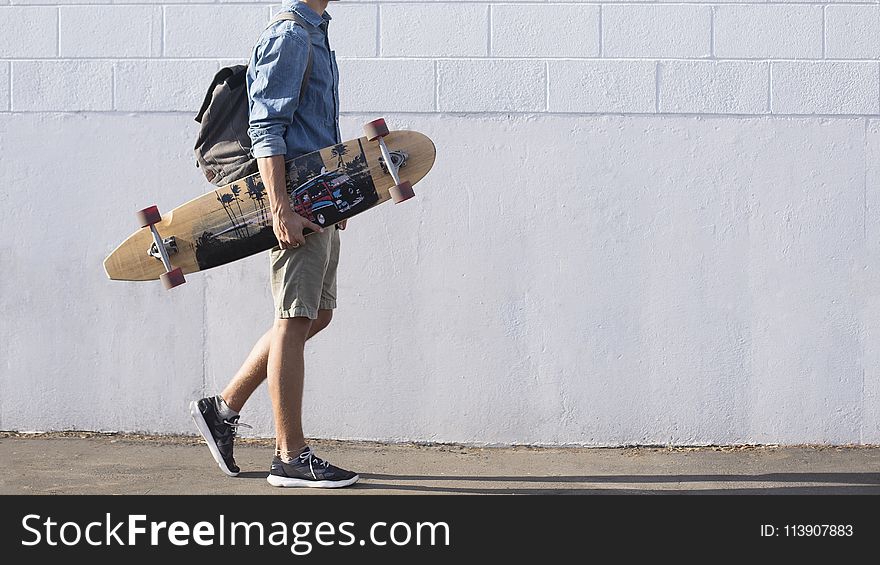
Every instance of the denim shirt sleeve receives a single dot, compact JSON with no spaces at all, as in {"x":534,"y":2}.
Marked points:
{"x":274,"y":79}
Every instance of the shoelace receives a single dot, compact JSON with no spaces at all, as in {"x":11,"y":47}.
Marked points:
{"x":236,"y":425}
{"x":311,"y":458}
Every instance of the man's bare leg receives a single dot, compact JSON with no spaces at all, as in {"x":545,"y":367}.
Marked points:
{"x":217,"y":419}
{"x":285,"y":370}
{"x":253,"y":372}
{"x":295,"y":464}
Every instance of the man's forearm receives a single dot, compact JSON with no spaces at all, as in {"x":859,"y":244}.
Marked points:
{"x":274,"y":175}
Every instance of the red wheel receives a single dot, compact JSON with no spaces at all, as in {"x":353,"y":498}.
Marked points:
{"x":149,"y":216}
{"x":172,"y":278}
{"x":375,"y":129}
{"x":402,"y":191}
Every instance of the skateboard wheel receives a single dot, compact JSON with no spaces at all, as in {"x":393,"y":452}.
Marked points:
{"x":402,"y":191}
{"x":172,"y":278}
{"x":149,"y":216}
{"x":375,"y":129}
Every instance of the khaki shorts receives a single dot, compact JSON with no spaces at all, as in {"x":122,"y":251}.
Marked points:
{"x":304,"y":279}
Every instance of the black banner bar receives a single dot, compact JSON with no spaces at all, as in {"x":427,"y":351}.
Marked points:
{"x":427,"y":528}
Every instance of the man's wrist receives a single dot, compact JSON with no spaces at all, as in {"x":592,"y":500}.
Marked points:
{"x":284,"y":211}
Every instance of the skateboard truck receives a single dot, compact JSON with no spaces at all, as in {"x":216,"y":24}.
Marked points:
{"x":376,"y":130}
{"x":398,"y":158}
{"x":149,"y":217}
{"x":170,"y":244}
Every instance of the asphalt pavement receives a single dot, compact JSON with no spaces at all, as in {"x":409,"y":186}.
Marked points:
{"x":94,"y":463}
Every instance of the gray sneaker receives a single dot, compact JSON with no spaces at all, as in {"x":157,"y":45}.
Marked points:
{"x":308,"y":470}
{"x":218,"y":433}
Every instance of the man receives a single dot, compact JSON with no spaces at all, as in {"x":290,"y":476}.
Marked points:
{"x":303,"y":270}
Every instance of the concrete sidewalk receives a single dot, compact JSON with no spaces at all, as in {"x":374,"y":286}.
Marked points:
{"x":90,"y":463}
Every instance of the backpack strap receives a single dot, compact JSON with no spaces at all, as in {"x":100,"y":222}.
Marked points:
{"x":296,"y":18}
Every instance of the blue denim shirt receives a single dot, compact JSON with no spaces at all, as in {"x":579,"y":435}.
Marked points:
{"x":279,"y":123}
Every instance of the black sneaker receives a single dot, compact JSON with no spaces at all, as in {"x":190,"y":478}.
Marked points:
{"x":309,"y":470}
{"x":219,"y":433}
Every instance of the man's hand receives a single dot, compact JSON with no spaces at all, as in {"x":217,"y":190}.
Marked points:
{"x":288,"y":227}
{"x":342,"y":225}
{"x":287,"y":224}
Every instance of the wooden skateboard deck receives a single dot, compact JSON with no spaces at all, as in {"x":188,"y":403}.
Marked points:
{"x":234,"y":221}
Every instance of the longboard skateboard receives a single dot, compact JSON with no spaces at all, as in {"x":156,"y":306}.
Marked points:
{"x":234,"y":221}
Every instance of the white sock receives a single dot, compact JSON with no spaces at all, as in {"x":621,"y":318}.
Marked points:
{"x":223,"y":409}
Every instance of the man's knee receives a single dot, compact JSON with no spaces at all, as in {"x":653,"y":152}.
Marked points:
{"x":293,"y":328}
{"x":322,"y":321}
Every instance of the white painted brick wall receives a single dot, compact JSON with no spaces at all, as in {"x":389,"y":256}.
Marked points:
{"x":491,"y":85}
{"x":4,"y":86}
{"x":65,"y":86}
{"x":213,"y":31}
{"x":707,"y":58}
{"x":778,"y":31}
{"x":386,"y":85}
{"x":602,"y":86}
{"x":852,"y":32}
{"x":710,"y":87}
{"x":123,"y":31}
{"x":698,"y":267}
{"x":434,"y":30}
{"x":668,"y":30}
{"x":162,"y":85}
{"x":354,"y":30}
{"x":545,"y":31}
{"x":28,"y":32}
{"x":829,"y":88}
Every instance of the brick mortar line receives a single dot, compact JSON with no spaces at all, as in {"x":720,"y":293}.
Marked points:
{"x":712,"y":32}
{"x":378,"y":46}
{"x":436,"y":86}
{"x":113,"y":86}
{"x":164,"y":27}
{"x":378,"y":30}
{"x":657,"y":87}
{"x":489,"y":31}
{"x":546,"y":86}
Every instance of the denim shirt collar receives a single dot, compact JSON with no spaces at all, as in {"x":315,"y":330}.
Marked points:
{"x":307,"y":13}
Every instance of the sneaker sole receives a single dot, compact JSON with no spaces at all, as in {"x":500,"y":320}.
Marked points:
{"x":277,"y":481}
{"x":202,"y":425}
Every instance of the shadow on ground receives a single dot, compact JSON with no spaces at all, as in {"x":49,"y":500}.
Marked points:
{"x":835,"y":483}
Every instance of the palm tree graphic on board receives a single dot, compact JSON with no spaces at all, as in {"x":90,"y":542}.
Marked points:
{"x":227,"y":199}
{"x":257,"y":193}
{"x":338,"y":151}
{"x":236,"y":191}
{"x":356,"y":163}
